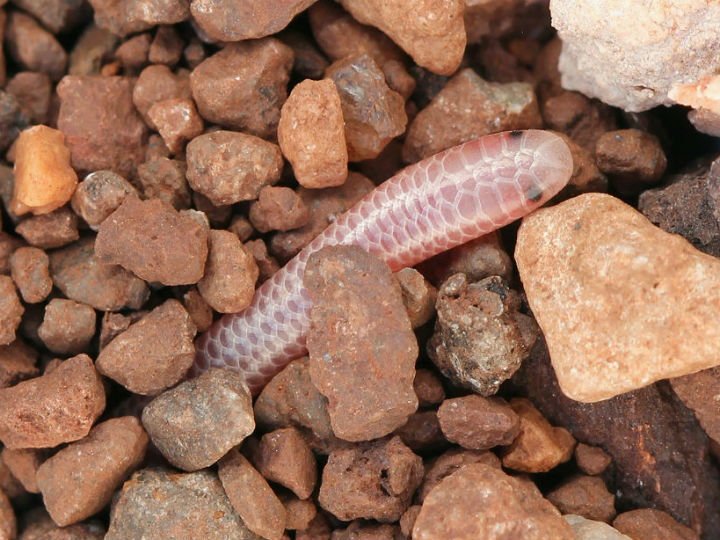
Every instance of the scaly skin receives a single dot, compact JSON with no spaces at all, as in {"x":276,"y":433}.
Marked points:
{"x":429,"y":207}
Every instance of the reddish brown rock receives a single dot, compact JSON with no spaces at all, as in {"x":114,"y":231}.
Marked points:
{"x":81,"y":277}
{"x":152,"y":240}
{"x":697,"y":391}
{"x":418,"y":294}
{"x":155,"y":84}
{"x":57,"y":407}
{"x":364,"y":530}
{"x":194,"y":53}
{"x":12,"y":119}
{"x":228,"y":167}
{"x":154,"y":353}
{"x":422,"y":433}
{"x":8,"y":244}
{"x":447,"y":463}
{"x":11,"y":310}
{"x":166,"y":47}
{"x":586,"y":496}
{"x":17,"y":363}
{"x":98,"y":195}
{"x":585,"y":176}
{"x":8,"y":522}
{"x":32,"y":90}
{"x":93,"y":52}
{"x":361,"y":345}
{"x":478,"y":423}
{"x":137,"y":15}
{"x":633,"y":159}
{"x":654,"y":524}
{"x":267,"y":264}
{"x":240,"y":226}
{"x":311,"y":134}
{"x":9,"y":484}
{"x":217,"y":215}
{"x":299,"y":513}
{"x":591,"y":459}
{"x":23,"y":464}
{"x":200,"y":312}
{"x":230,"y":273}
{"x":284,"y":457}
{"x":278,"y":208}
{"x":582,"y":119}
{"x":479,"y":501}
{"x":147,"y":507}
{"x":114,"y":324}
{"x":372,"y":122}
{"x":251,"y":496}
{"x":469,"y":107}
{"x":164,"y":178}
{"x":244,"y":85}
{"x":33,"y":47}
{"x":309,"y":61}
{"x":177,"y":121}
{"x":133,"y":52}
{"x":80,"y":479}
{"x":56,"y":16}
{"x":30,"y":270}
{"x":49,"y":231}
{"x":318,"y":529}
{"x":38,"y":525}
{"x":428,"y":388}
{"x":67,"y":327}
{"x":407,"y":521}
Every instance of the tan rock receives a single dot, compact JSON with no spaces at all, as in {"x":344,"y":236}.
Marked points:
{"x":44,"y":179}
{"x":621,"y":303}
{"x":652,"y":523}
{"x":587,"y":529}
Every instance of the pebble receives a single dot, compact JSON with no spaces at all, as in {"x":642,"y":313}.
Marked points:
{"x":586,"y":175}
{"x":23,"y":464}
{"x":92,"y":50}
{"x":33,"y":47}
{"x":9,"y":485}
{"x":133,"y":52}
{"x":318,"y":529}
{"x":251,"y":496}
{"x":469,"y":107}
{"x":166,"y":47}
{"x":309,"y":61}
{"x":241,"y":227}
{"x":56,"y":16}
{"x":244,"y":85}
{"x":200,"y":311}
{"x":407,"y":520}
{"x":113,"y":324}
{"x":54,"y":408}
{"x":158,"y":83}
{"x":697,"y":391}
{"x":418,"y":295}
{"x":100,"y":123}
{"x":228,"y":167}
{"x":44,"y":179}
{"x":652,"y":523}
{"x":368,"y":382}
{"x":8,"y":244}
{"x":153,"y":354}
{"x":372,"y":122}
{"x":217,"y":215}
{"x":98,"y":195}
{"x":432,"y":33}
{"x":17,"y":363}
{"x":30,"y":270}
{"x":177,"y":121}
{"x":480,"y":336}
{"x":33,"y":90}
{"x":285,"y":457}
{"x":479,"y":501}
{"x":631,"y":158}
{"x":539,"y":447}
{"x":164,"y":178}
{"x":374,"y":480}
{"x":228,"y":285}
{"x":267,"y":264}
{"x":363,"y":530}
{"x":152,"y":240}
{"x":587,"y":529}
{"x":68,"y":326}
{"x":11,"y":310}
{"x":591,"y":460}
{"x":428,"y":388}
{"x":278,"y":209}
{"x":81,"y":277}
{"x":12,"y":119}
{"x":138,"y":15}
{"x":422,"y":432}
{"x":226,"y":20}
{"x":615,"y":261}
{"x":8,"y":522}
{"x":40,"y":526}
{"x":586,"y":496}
{"x":299,"y":513}
{"x":80,"y":479}
{"x":49,"y":231}
{"x":147,"y":507}
{"x":582,"y":119}
{"x":478,"y":423}
{"x":311,"y":133}
{"x":445,"y":464}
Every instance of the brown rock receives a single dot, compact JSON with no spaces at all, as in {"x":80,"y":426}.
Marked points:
{"x":136,"y":15}
{"x":407,"y":521}
{"x":362,"y":349}
{"x":8,"y":245}
{"x":194,"y":53}
{"x":40,"y":526}
{"x":251,"y":496}
{"x":652,"y":524}
{"x":422,"y":433}
{"x":154,"y":353}
{"x":418,"y":294}
{"x":363,"y":530}
{"x":318,"y":529}
{"x":632,"y":159}
{"x":30,"y":270}
{"x":225,"y":20}
{"x":309,"y":61}
{"x":8,"y":523}
{"x":615,"y":261}
{"x":244,"y":85}
{"x":374,"y":480}
{"x":587,"y":529}
{"x":148,"y":505}
{"x":133,"y":52}
{"x":54,"y":408}
{"x":584,"y":120}
{"x":92,"y":51}
{"x":278,"y":208}
{"x":478,"y":423}
{"x":433,"y":34}
{"x":101,"y":124}
{"x":241,"y":226}
{"x":11,"y":310}
{"x":428,"y":388}
{"x":267,"y":265}
{"x":167,"y":46}
{"x":479,"y":501}
{"x":32,"y":90}
{"x":370,"y":123}
{"x":164,"y":178}
{"x":498,"y":64}
{"x":56,"y":16}
{"x":114,"y":324}
{"x":228,"y":167}
{"x":33,"y":47}
{"x":284,"y":457}
{"x":3,"y":18}
{"x":218,"y":216}
{"x":200,"y":312}
{"x":697,"y":391}
{"x":81,"y":277}
{"x":196,"y":423}
{"x":591,"y":459}
{"x":155,"y":84}
{"x":10,"y":485}
{"x":469,"y":107}
{"x":311,"y":134}
{"x":177,"y":121}
{"x":80,"y":479}
{"x":299,"y":513}
{"x":12,"y":119}
{"x":49,"y":231}
{"x":98,"y":195}
{"x":68,"y":326}
{"x":585,"y":175}
{"x":23,"y":464}
{"x":17,"y":363}
{"x":152,"y":240}
{"x":586,"y":496}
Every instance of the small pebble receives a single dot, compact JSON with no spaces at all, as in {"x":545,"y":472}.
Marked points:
{"x":8,"y":522}
{"x":40,"y":526}
{"x":12,"y":119}
{"x":299,"y":513}
{"x":11,"y":310}
{"x":114,"y":324}
{"x":23,"y":464}
{"x":422,"y":432}
{"x":157,"y":83}
{"x":17,"y":363}
{"x":177,"y":121}
{"x":318,"y":529}
{"x":364,"y":530}
{"x":267,"y":264}
{"x":54,"y":408}
{"x":418,"y":295}
{"x":407,"y":520}
{"x":309,"y":61}
{"x":99,"y":195}
{"x":133,"y":52}
{"x":91,"y":51}
{"x":200,"y":311}
{"x":241,"y":227}
{"x":583,"y":119}
{"x":540,"y":446}
{"x":166,"y":47}
{"x":428,"y":388}
{"x":251,"y":496}
{"x":586,"y":496}
{"x":30,"y":270}
{"x":217,"y":215}
{"x":80,"y":479}
{"x":631,"y":158}
{"x":8,"y":245}
{"x":228,"y":167}
{"x":587,"y":529}
{"x":10,"y":485}
{"x":33,"y":91}
{"x":311,"y":134}
{"x":374,"y":480}
{"x":652,"y":523}
{"x":153,"y":354}
{"x":447,"y":463}
{"x":49,"y":231}
{"x":591,"y":460}
{"x":697,"y":391}
{"x":284,"y":457}
{"x":68,"y":326}
{"x":478,"y":423}
{"x":164,"y":178}
{"x":279,"y":209}
{"x":33,"y":47}
{"x":585,"y":176}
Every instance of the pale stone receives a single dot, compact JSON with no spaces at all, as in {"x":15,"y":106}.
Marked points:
{"x":587,"y":529}
{"x":621,"y":302}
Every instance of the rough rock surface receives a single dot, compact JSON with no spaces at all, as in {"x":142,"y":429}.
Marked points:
{"x":284,"y":456}
{"x":30,"y":270}
{"x":631,"y":158}
{"x":157,"y":83}
{"x":49,"y":231}
{"x":177,"y":121}
{"x":11,"y":310}
{"x":478,"y":423}
{"x":23,"y":464}
{"x":583,"y":119}
{"x":361,"y":345}
{"x":98,"y":195}
{"x":591,"y":459}
{"x":586,"y":496}
{"x":33,"y":47}
{"x":279,"y":208}
{"x":447,"y":463}
{"x":699,"y":392}
{"x":652,"y":523}
{"x":17,"y":363}
{"x":587,"y":529}
{"x":67,"y":327}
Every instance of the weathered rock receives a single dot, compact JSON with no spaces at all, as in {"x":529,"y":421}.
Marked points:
{"x":631,"y":158}
{"x":30,"y":270}
{"x":652,"y":523}
{"x":200,"y":311}
{"x":99,"y":195}
{"x":587,"y":529}
{"x":17,"y":363}
{"x":133,"y":52}
{"x":164,"y":178}
{"x":478,"y":423}
{"x":132,"y":16}
{"x":33,"y":91}
{"x":299,"y":513}
{"x":11,"y":310}
{"x":284,"y":457}
{"x":582,"y":119}
{"x":157,"y":83}
{"x":8,"y":522}
{"x":422,"y":432}
{"x":418,"y":294}
{"x":39,"y":526}
{"x":586,"y":175}
{"x":33,"y":47}
{"x":56,"y":16}
{"x":591,"y":459}
{"x":12,"y":119}
{"x":278,"y":208}
{"x":92,"y":51}
{"x":697,"y":391}
{"x":586,"y":496}
{"x":68,"y":326}
{"x":48,"y":231}
{"x":428,"y":388}
{"x":166,"y":47}
{"x":177,"y":121}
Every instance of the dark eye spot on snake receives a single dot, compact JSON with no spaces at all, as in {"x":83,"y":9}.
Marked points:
{"x":534,"y":193}
{"x":516,"y":133}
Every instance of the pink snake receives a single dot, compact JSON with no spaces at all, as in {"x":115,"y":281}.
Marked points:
{"x":438,"y":203}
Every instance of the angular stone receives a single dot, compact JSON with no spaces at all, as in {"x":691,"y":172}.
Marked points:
{"x":133,"y":52}
{"x":166,"y":47}
{"x":33,"y":91}
{"x":652,"y":523}
{"x":428,"y":388}
{"x":49,"y":231}
{"x":157,"y":83}
{"x":132,"y":16}
{"x":586,"y":496}
{"x":33,"y":47}
{"x":633,"y":159}
{"x":419,"y":296}
{"x":23,"y":464}
{"x":177,"y":121}
{"x":447,"y":463}
{"x":587,"y":529}
{"x":200,"y":312}
{"x":591,"y":459}
{"x":30,"y":270}
{"x":582,"y":119}
{"x":278,"y":208}
{"x":698,"y":392}
{"x":478,"y":423}
{"x":422,"y":432}
{"x":17,"y":363}
{"x":164,"y":178}
{"x":98,"y":195}
{"x":68,"y":326}
{"x":284,"y":457}
{"x":299,"y":513}
{"x":11,"y":310}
